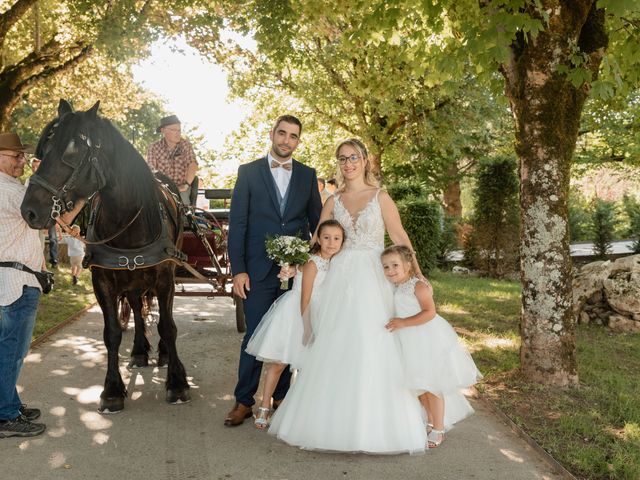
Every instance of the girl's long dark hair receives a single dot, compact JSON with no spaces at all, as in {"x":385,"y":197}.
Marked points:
{"x":327,"y":223}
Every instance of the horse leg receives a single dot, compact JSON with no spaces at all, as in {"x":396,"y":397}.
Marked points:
{"x":176,"y":385}
{"x":141,"y":346}
{"x":163,"y":354}
{"x":114,"y":393}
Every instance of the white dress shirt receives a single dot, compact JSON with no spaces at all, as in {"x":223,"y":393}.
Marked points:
{"x":18,"y":242}
{"x":282,"y":176}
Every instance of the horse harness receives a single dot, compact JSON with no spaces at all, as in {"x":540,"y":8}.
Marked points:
{"x":61,"y":202}
{"x":161,"y":249}
{"x":99,"y":254}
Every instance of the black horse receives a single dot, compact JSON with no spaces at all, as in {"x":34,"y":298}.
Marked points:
{"x":133,"y":238}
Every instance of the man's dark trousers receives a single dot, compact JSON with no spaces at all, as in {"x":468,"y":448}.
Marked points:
{"x":258,"y":301}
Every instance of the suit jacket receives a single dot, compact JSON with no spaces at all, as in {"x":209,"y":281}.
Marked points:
{"x":255,"y":214}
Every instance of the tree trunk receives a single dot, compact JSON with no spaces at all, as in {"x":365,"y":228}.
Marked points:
{"x":375,"y":157}
{"x":451,"y":193}
{"x":547,"y":107}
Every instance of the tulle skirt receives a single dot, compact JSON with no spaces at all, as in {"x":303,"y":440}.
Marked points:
{"x":435,"y":361}
{"x":350,"y":394}
{"x":278,"y":337}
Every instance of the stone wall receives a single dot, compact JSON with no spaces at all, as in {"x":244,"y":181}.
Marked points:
{"x":608,"y":293}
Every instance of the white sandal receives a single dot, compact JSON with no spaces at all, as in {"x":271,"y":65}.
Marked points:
{"x":262,"y":418}
{"x":435,"y":438}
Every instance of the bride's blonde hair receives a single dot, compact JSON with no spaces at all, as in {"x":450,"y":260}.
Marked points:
{"x":369,"y":178}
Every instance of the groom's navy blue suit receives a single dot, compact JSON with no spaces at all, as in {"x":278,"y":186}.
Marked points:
{"x":258,"y":211}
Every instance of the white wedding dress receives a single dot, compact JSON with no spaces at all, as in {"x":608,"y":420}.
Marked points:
{"x":279,"y":336}
{"x":350,"y":394}
{"x":434,"y":359}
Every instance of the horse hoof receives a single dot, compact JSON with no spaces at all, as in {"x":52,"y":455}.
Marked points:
{"x":138,"y":361}
{"x":175,"y":397}
{"x":111,"y":405}
{"x":163,"y":361}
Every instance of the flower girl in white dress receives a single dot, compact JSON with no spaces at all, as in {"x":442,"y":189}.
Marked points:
{"x":437,"y":366}
{"x":284,"y":331}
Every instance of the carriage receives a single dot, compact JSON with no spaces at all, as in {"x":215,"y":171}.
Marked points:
{"x":206,"y":272}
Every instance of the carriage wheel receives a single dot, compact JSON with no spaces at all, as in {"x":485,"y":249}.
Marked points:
{"x":240,"y":322}
{"x":124,"y":313}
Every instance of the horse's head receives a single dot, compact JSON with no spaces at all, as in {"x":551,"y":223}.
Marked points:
{"x":70,"y":171}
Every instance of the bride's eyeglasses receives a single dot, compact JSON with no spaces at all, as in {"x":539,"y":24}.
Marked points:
{"x":351,"y":158}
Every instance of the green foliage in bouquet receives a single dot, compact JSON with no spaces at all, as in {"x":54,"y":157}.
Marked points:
{"x":286,"y":251}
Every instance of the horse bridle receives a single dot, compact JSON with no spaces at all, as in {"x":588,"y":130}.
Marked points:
{"x":60,"y":196}
{"x":61,"y":203}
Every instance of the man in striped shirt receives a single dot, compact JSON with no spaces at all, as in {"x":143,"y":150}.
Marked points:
{"x":19,"y":290}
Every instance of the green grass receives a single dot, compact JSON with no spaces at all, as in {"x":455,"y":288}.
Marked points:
{"x":485,"y":313}
{"x":65,"y":300}
{"x":593,"y":430}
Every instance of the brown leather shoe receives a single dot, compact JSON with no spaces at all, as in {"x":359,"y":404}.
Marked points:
{"x":237,"y":415}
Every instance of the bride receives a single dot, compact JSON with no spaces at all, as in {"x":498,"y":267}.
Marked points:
{"x":350,"y":395}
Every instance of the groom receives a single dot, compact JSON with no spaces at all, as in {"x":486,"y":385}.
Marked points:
{"x":274,"y":195}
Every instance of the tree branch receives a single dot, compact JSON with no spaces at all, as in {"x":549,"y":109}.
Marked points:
{"x":10,"y":17}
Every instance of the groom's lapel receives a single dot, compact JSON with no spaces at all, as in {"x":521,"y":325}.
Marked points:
{"x":269,"y":183}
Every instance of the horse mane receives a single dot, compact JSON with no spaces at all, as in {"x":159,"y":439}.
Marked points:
{"x":126,"y":166}
{"x":125,"y":169}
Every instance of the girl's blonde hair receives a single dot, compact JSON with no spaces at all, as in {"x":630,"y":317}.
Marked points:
{"x":327,"y":223}
{"x":405,"y":254}
{"x":369,"y":178}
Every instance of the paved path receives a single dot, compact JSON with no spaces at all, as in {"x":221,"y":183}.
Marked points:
{"x":153,"y":440}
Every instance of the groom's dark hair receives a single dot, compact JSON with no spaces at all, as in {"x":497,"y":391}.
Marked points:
{"x":288,"y":119}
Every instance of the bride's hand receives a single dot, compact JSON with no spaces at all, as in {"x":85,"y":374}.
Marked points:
{"x":425,"y":280}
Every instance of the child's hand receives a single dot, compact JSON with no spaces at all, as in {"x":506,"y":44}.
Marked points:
{"x":394,"y":324}
{"x":287,"y":272}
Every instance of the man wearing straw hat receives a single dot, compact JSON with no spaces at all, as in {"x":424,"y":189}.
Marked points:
{"x":173,"y":156}
{"x":19,"y":290}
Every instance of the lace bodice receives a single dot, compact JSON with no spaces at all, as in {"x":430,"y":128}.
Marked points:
{"x":366,"y":230}
{"x":405,"y":301}
{"x":321,"y":263}
{"x":323,"y":267}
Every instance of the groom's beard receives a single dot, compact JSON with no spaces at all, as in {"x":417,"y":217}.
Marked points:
{"x":284,"y":154}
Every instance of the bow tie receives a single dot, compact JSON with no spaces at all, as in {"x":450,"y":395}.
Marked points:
{"x":286,"y":166}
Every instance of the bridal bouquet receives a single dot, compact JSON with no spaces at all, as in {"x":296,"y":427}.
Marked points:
{"x":287,"y":251}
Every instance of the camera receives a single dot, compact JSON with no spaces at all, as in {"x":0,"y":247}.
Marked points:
{"x":46,"y":281}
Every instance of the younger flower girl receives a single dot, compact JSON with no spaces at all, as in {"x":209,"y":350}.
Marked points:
{"x":285,"y":329}
{"x":437,"y":366}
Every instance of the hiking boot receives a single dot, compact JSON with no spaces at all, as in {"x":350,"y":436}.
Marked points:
{"x":75,"y":280}
{"x":30,"y":414}
{"x":20,"y":427}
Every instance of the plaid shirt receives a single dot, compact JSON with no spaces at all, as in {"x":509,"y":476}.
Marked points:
{"x":173,"y":163}
{"x":19,"y":242}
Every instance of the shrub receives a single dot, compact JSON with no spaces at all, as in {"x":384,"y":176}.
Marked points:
{"x":422,"y":221}
{"x":632,"y":209}
{"x":448,"y":239}
{"x":579,"y":216}
{"x":493,"y":244}
{"x":603,"y":224}
{"x":406,"y":189}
